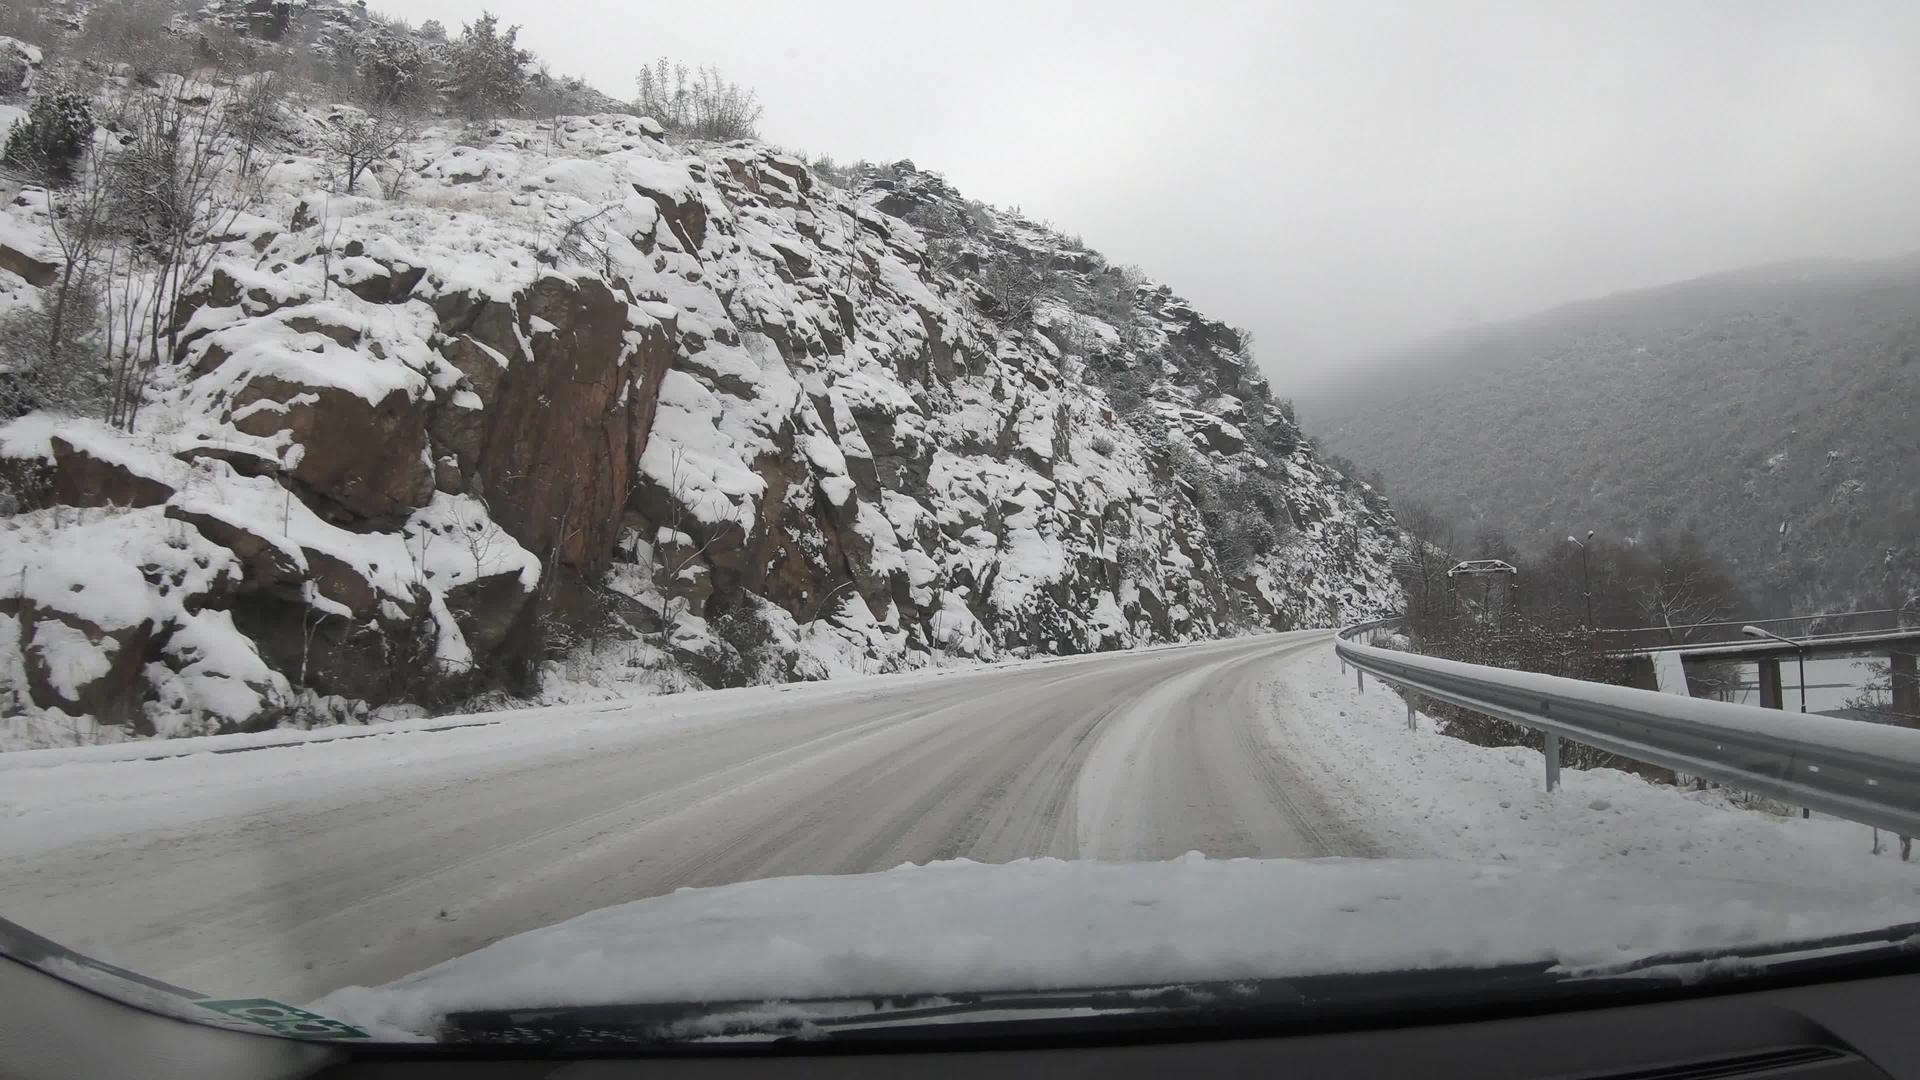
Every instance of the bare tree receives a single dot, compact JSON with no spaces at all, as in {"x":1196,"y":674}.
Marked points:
{"x":55,"y":350}
{"x":481,"y":536}
{"x":1422,"y":567}
{"x":359,"y":142}
{"x":329,"y":239}
{"x":698,"y":102}
{"x":546,"y":98}
{"x":136,"y":33}
{"x":256,"y":112}
{"x":1011,"y":289}
{"x":78,"y":224}
{"x":123,"y":296}
{"x":180,"y":193}
{"x":1683,"y":587}
{"x":312,"y":615}
{"x":585,"y":240}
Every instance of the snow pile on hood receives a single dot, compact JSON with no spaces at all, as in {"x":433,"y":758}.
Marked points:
{"x":1038,"y":924}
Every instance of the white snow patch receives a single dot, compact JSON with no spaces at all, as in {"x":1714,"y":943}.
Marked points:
{"x":1421,"y":793}
{"x":1042,"y":924}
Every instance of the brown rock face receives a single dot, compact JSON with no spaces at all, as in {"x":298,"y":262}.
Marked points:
{"x":262,"y":561}
{"x":487,"y":610}
{"x":567,"y":377}
{"x":243,"y":461}
{"x":365,"y":459}
{"x":341,"y":583}
{"x":1216,"y":435}
{"x":687,"y":220}
{"x":555,"y":449}
{"x":37,"y":272}
{"x":80,"y":479}
{"x":795,"y":171}
{"x":776,"y":564}
{"x":220,"y":290}
{"x":111,"y":697}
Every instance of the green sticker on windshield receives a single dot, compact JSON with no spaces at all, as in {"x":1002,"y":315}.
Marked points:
{"x":284,"y":1020}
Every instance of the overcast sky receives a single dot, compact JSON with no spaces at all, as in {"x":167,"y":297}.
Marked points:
{"x":1339,"y":177}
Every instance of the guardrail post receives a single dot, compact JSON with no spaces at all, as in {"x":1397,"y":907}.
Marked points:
{"x":1553,"y":760}
{"x":1360,"y":679}
{"x":1411,"y":726}
{"x":1904,"y":674}
{"x":1771,"y":696}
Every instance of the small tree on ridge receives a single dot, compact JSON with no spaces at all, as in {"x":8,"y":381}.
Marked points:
{"x":486,"y":69}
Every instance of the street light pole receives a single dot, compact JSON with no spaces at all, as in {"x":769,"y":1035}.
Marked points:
{"x":1801,"y":662}
{"x":1586,"y":579}
{"x":1799,"y":653}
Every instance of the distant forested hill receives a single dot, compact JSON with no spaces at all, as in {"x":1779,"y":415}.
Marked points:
{"x":1774,"y":412}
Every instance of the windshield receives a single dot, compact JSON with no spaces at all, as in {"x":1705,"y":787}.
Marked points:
{"x":531,"y":522}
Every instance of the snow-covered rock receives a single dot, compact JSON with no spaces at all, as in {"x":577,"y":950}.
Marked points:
{"x":19,"y":66}
{"x":576,"y":381}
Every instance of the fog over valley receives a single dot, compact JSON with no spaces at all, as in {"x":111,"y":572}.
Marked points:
{"x":1341,"y":179}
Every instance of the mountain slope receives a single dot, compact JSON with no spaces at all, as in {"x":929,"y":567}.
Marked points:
{"x":564,"y":402}
{"x":1768,"y":411}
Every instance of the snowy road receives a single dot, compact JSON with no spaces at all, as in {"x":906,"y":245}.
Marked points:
{"x":294,"y":871}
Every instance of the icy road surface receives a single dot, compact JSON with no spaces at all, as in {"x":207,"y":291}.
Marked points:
{"x":295,"y":870}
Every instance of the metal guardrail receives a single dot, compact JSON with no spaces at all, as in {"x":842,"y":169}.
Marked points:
{"x":1868,"y":773}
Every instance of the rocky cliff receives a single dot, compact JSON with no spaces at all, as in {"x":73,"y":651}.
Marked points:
{"x":567,"y":402}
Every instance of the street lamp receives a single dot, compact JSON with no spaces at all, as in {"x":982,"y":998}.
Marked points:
{"x":1799,"y":650}
{"x":1586,"y":580}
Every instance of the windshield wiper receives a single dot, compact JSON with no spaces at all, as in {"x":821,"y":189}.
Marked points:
{"x":1269,"y":1005}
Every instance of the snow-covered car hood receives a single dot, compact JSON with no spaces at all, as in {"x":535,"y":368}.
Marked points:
{"x":1039,"y":924}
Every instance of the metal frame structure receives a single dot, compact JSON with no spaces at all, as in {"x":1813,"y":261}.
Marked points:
{"x":1486,"y":570}
{"x":1477,"y":567}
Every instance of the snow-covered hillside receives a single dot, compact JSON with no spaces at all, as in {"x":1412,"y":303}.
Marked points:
{"x":1766,"y":412}
{"x":573,"y":403}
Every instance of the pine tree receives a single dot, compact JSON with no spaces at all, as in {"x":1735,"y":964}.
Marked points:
{"x":486,"y":69}
{"x":54,"y":134}
{"x":394,"y":67}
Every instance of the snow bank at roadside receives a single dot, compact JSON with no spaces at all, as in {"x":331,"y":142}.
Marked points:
{"x":1422,"y":793}
{"x":1039,"y":924}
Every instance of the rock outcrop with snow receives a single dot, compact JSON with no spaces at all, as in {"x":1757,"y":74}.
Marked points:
{"x":576,"y":390}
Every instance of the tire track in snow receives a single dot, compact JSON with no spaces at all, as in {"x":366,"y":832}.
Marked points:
{"x":375,"y":865}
